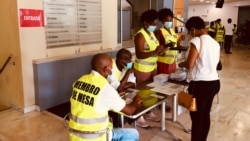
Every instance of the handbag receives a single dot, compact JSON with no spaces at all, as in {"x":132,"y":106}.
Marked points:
{"x":187,"y":100}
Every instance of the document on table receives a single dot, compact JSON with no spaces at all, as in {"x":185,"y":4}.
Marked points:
{"x":155,"y":84}
{"x":168,"y":88}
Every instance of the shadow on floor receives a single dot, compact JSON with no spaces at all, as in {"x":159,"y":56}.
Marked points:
{"x":60,"y":110}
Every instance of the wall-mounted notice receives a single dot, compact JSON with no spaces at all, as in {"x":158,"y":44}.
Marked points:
{"x":31,"y":18}
{"x":72,"y":22}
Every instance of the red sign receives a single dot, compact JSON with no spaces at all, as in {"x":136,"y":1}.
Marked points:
{"x":31,"y":18}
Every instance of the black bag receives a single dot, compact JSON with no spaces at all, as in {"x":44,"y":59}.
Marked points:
{"x":219,"y":66}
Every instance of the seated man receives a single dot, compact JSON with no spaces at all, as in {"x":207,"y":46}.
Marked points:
{"x":121,"y":79}
{"x":92,"y":98}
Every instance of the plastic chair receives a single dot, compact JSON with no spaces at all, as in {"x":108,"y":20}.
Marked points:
{"x":65,"y":121}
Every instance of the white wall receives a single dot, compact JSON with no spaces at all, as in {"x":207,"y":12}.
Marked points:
{"x":210,"y":13}
{"x":33,"y":44}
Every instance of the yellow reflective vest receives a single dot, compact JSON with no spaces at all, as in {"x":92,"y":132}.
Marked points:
{"x":117,"y":72}
{"x":220,"y":33}
{"x":170,"y":55}
{"x":213,"y":28}
{"x":148,"y":64}
{"x":86,"y":92}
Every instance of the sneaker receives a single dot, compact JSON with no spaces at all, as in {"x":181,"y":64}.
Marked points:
{"x":153,"y":117}
{"x":141,"y":122}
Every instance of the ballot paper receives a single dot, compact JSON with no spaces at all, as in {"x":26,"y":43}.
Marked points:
{"x":168,"y":88}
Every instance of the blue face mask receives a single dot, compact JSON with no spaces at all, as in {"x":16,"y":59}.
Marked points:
{"x":151,"y":28}
{"x":129,"y":65}
{"x":168,"y":24}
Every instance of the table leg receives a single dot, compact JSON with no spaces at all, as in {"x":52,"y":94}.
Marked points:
{"x":174,"y":114}
{"x":163,"y":116}
{"x":122,"y":121}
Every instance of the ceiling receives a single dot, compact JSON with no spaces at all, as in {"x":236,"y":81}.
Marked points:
{"x":202,"y":2}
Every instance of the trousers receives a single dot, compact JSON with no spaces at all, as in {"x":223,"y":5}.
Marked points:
{"x":204,"y":92}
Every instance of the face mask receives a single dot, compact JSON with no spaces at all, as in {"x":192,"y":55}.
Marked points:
{"x":109,"y":75}
{"x":168,"y":24}
{"x":151,"y":28}
{"x":129,"y":65}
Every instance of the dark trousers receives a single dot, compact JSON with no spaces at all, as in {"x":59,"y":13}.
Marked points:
{"x":204,"y":92}
{"x":228,"y":43}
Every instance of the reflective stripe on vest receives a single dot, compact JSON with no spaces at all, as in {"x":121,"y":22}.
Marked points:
{"x":170,"y":55}
{"x":145,"y":62}
{"x":88,"y":121}
{"x":88,"y":136}
{"x":148,"y":64}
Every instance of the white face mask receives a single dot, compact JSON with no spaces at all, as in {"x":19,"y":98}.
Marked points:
{"x":151,"y":28}
{"x":168,"y":24}
{"x":109,"y":75}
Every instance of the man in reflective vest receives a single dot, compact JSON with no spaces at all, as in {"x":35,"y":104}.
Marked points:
{"x":92,"y":98}
{"x":123,"y":78}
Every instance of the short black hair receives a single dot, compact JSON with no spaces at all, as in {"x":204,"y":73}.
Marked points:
{"x":195,"y":22}
{"x":164,"y":13}
{"x":123,"y":52}
{"x":229,"y":20}
{"x":218,"y":20}
{"x":149,"y":16}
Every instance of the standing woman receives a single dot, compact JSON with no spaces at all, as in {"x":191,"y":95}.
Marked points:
{"x":204,"y":84}
{"x":147,"y":50}
{"x":167,"y":37}
{"x":147,"y":47}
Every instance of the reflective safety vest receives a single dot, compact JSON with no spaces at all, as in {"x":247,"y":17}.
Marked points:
{"x":213,"y":28}
{"x":170,"y":55}
{"x":117,"y":72}
{"x":86,"y":92}
{"x":220,"y":33}
{"x":148,"y":64}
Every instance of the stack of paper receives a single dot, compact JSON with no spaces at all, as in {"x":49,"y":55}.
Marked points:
{"x":161,"y":78}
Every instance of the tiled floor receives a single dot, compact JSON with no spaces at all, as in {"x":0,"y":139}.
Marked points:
{"x":229,"y":119}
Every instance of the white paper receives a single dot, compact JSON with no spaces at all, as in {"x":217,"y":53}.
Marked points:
{"x":168,"y":88}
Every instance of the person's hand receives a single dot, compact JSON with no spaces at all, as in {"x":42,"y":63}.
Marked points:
{"x":159,"y":49}
{"x":182,"y":37}
{"x":130,"y":71}
{"x":181,"y":64}
{"x":138,"y":100}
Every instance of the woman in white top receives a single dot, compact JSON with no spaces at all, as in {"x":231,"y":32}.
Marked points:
{"x":202,"y":59}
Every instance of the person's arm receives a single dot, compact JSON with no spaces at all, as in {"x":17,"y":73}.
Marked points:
{"x":139,"y":48}
{"x":124,"y":84}
{"x":129,"y":109}
{"x":181,"y":38}
{"x":193,"y":54}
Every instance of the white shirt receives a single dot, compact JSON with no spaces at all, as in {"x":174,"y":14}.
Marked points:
{"x":115,"y":81}
{"x":229,"y":29}
{"x":109,"y":99}
{"x":205,"y":65}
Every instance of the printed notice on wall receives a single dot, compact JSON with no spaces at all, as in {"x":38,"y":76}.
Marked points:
{"x":31,"y":18}
{"x":72,"y":22}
